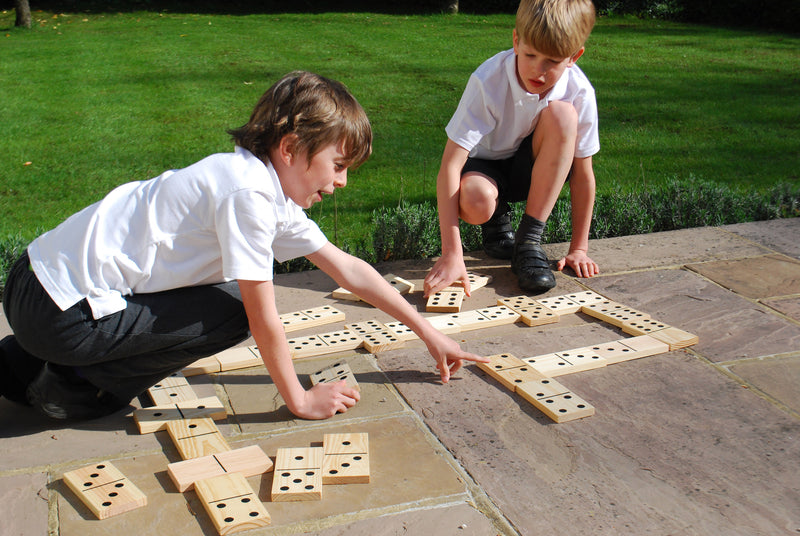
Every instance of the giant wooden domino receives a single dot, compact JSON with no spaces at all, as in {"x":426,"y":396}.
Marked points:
{"x":346,"y":459}
{"x":298,"y":474}
{"x":231,"y":503}
{"x":249,"y":461}
{"x":104,"y":490}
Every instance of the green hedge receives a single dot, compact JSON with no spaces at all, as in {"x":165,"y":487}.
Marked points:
{"x":411,"y":231}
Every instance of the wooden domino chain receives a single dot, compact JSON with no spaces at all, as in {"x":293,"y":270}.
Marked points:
{"x":333,"y":373}
{"x":231,"y":503}
{"x":298,"y":474}
{"x":196,"y":437}
{"x":155,"y":418}
{"x":346,"y":459}
{"x":249,"y":461}
{"x":172,"y":389}
{"x":104,"y":490}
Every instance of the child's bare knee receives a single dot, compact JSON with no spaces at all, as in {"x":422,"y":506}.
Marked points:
{"x":560,"y":117}
{"x":477,"y":199}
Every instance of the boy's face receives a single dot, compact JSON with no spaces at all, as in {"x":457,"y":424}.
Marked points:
{"x":536,"y":72}
{"x":305,"y":183}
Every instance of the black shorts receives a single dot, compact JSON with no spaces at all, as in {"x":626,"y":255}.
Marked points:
{"x":512,"y":175}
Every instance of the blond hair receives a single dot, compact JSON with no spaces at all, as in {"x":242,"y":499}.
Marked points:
{"x":557,"y":28}
{"x":317,"y":110}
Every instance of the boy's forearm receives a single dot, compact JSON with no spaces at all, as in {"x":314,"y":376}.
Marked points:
{"x":582,"y":197}
{"x":448,"y":183}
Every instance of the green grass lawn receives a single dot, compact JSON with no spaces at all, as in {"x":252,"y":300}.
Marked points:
{"x":92,"y":101}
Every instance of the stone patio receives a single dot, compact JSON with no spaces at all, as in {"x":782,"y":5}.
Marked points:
{"x":699,"y":441}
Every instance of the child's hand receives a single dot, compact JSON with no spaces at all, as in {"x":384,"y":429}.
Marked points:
{"x":326,"y":400}
{"x":580,"y":262}
{"x":446,"y":270}
{"x":449,"y":355}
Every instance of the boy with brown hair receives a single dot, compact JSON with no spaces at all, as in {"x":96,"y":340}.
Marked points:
{"x":165,"y":271}
{"x":526,"y":123}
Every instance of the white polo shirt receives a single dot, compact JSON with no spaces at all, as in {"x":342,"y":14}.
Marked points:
{"x":496,"y":113}
{"x":222,"y":218}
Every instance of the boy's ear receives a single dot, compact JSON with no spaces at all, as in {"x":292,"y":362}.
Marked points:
{"x":575,"y":56}
{"x":287,"y":148}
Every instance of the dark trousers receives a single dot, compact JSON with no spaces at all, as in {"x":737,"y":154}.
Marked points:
{"x":127,"y":352}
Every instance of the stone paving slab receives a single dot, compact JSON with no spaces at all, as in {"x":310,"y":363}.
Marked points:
{"x":779,"y":235}
{"x":675,"y":448}
{"x":459,"y":520}
{"x":259,"y":407}
{"x":407,"y":471}
{"x":729,"y":327}
{"x":788,"y":306}
{"x":24,"y":501}
{"x":778,"y":378}
{"x":755,"y":277}
{"x":666,"y":249}
{"x":32,"y":440}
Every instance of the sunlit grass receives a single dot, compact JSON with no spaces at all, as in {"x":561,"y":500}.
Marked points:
{"x":92,"y":101}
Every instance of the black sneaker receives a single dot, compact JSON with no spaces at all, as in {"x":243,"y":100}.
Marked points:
{"x":498,"y":235}
{"x":532,"y":267}
{"x":60,"y":394}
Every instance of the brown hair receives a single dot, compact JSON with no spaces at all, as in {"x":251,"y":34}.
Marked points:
{"x":317,"y":110}
{"x":557,"y":28}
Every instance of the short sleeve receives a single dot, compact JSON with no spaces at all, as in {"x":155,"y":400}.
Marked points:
{"x":246,"y":229}
{"x":473,"y":119}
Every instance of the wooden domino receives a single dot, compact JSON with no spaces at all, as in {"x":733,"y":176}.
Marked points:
{"x":339,"y":341}
{"x":498,"y":363}
{"x":675,"y":338}
{"x":172,"y":389}
{"x":401,"y":285}
{"x":104,"y":489}
{"x":518,"y":302}
{"x":196,"y":437}
{"x":561,"y":305}
{"x":365,"y":326}
{"x":444,"y":324}
{"x":547,"y":364}
{"x":155,"y":418}
{"x":513,"y":377}
{"x":307,"y":346}
{"x":231,"y":503}
{"x":298,"y":474}
{"x":613,"y":313}
{"x":204,"y":365}
{"x":249,"y":461}
{"x":239,"y":358}
{"x":540,"y":389}
{"x":445,"y":301}
{"x":337,"y":372}
{"x":342,"y":293}
{"x":499,"y":315}
{"x":346,"y":459}
{"x":586,"y":297}
{"x":382,"y":341}
{"x":537,"y":315}
{"x":476,"y":281}
{"x":645,"y":326}
{"x":564,"y":407}
{"x":630,"y":348}
{"x":401,"y":331}
{"x":310,"y":318}
{"x":581,"y":360}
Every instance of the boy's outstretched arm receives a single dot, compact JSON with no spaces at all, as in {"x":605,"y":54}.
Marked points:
{"x":359,"y":277}
{"x":450,"y":266}
{"x":582,"y":195}
{"x":320,"y":402}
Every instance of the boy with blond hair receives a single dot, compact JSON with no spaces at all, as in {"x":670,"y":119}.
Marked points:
{"x":526,"y":123}
{"x":165,"y":271}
